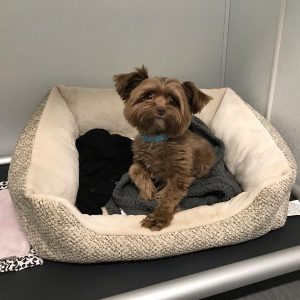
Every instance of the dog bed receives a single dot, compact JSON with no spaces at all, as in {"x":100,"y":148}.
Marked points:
{"x":43,"y":182}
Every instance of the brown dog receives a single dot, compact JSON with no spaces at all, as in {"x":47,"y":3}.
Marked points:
{"x":166,"y":155}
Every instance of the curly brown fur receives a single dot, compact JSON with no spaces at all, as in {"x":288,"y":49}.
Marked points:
{"x":164,"y":170}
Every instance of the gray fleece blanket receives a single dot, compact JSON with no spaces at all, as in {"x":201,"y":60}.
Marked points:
{"x":218,"y":186}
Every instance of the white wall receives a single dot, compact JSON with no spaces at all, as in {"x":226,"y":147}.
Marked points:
{"x":251,"y":41}
{"x":84,"y":43}
{"x":286,"y":104}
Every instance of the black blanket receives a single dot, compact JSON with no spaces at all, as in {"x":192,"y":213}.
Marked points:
{"x":103,"y":159}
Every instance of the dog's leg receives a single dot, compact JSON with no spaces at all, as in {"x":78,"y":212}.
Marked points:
{"x":168,"y":198}
{"x":141,"y":178}
{"x":204,"y":159}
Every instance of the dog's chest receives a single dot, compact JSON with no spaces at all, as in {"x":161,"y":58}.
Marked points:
{"x":163,"y":159}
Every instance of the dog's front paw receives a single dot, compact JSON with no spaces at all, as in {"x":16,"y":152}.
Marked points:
{"x":155,"y":222}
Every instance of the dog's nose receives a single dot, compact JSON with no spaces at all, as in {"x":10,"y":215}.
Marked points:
{"x":160,"y":110}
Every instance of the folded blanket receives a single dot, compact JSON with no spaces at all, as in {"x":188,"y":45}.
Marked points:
{"x":15,"y":252}
{"x":13,"y":241}
{"x":218,"y":186}
{"x":19,"y":263}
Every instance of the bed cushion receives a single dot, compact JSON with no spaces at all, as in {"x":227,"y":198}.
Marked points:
{"x":43,"y":181}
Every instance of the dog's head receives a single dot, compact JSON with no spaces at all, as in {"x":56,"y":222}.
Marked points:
{"x":158,"y":105}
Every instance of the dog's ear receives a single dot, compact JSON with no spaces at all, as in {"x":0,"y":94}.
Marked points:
{"x":197,"y":100}
{"x":125,"y":83}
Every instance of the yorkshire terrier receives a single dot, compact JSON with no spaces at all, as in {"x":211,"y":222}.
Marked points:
{"x":167,"y":156}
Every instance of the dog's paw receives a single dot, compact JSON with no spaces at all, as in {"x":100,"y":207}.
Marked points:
{"x":202,"y":171}
{"x":155,"y":223}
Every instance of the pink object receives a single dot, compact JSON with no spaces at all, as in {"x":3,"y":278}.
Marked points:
{"x":13,"y":241}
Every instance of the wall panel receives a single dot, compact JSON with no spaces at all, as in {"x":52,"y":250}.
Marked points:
{"x":251,"y":41}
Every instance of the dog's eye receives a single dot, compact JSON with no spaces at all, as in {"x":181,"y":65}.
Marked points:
{"x":173,"y":100}
{"x":148,"y":96}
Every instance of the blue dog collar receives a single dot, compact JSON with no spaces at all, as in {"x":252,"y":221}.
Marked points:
{"x":155,"y":138}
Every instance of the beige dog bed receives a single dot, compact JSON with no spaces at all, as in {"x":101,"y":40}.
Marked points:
{"x":43,"y":182}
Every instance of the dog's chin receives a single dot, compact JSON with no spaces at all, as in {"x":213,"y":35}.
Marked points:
{"x":159,"y":125}
{"x":153,"y":126}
